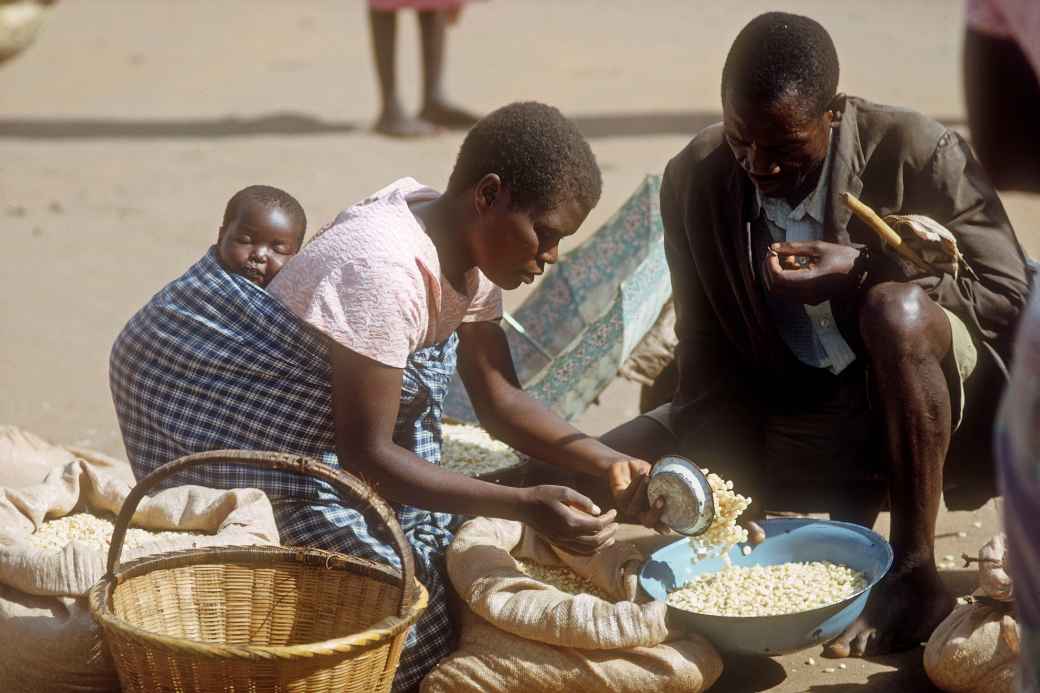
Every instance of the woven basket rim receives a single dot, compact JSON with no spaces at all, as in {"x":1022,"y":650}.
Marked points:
{"x":100,"y":597}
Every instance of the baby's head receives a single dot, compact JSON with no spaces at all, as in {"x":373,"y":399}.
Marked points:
{"x":263,"y":227}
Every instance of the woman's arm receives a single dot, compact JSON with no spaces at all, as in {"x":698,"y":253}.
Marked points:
{"x":365,"y":400}
{"x":524,"y":423}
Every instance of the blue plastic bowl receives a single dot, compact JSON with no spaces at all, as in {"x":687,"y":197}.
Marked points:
{"x":794,"y":539}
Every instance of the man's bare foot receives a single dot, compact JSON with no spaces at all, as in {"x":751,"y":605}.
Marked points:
{"x":901,"y":613}
{"x":397,"y":124}
{"x":446,"y":115}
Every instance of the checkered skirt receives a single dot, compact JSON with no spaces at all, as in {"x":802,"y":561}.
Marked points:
{"x":214,"y":362}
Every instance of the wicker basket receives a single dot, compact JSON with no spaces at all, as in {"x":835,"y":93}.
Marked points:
{"x":257,"y":619}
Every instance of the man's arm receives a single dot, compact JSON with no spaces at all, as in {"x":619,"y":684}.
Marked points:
{"x":954,"y":190}
{"x":365,"y":401}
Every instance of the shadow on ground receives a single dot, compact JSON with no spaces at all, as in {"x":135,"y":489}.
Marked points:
{"x":904,"y":673}
{"x":749,"y":673}
{"x":160,"y":128}
{"x":960,"y":582}
{"x":593,"y":126}
{"x":908,"y":677}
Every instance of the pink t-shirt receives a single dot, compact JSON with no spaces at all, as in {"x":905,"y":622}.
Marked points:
{"x":372,"y":280}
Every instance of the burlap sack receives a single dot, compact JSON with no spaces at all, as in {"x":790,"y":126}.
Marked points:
{"x":20,"y":21}
{"x":523,"y":635}
{"x":49,"y":641}
{"x":490,"y":660}
{"x":26,"y":459}
{"x":975,"y":650}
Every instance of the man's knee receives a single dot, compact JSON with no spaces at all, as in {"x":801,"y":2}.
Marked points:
{"x":899,"y":318}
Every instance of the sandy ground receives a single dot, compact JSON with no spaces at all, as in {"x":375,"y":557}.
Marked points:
{"x":126,"y":127}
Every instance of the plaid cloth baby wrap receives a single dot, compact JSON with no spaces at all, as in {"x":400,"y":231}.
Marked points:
{"x":213,"y":362}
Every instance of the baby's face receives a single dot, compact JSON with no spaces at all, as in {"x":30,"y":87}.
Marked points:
{"x":258,"y":242}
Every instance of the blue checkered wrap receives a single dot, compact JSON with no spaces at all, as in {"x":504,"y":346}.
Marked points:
{"x":213,"y":362}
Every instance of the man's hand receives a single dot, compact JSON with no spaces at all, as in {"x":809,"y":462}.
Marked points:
{"x":628,"y":481}
{"x":568,"y":519}
{"x":810,"y":272}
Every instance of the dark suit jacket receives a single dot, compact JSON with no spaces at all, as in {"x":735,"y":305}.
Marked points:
{"x":896,"y":161}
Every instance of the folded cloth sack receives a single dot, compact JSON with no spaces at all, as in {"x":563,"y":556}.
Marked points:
{"x":932,"y":242}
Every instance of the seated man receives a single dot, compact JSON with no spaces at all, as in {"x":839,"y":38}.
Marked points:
{"x":811,"y":367}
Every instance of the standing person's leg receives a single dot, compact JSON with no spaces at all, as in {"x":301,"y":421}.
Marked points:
{"x":392,"y":119}
{"x":433,"y":29}
{"x":908,"y":338}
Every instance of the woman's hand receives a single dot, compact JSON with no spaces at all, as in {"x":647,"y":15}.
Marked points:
{"x":628,"y":481}
{"x":568,"y":519}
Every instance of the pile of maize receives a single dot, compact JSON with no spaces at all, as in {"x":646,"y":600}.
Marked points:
{"x":563,"y":579}
{"x":55,"y":535}
{"x":471,"y":451}
{"x":724,"y":531}
{"x":768,"y":590}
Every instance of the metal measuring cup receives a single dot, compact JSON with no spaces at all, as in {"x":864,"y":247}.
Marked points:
{"x":689,"y":506}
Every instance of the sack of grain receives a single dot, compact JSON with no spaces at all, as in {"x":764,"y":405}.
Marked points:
{"x":975,"y":650}
{"x":26,"y":459}
{"x":540,"y":619}
{"x":50,"y":640}
{"x":20,"y":21}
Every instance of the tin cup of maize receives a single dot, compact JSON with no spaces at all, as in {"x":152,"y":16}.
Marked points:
{"x":689,"y":504}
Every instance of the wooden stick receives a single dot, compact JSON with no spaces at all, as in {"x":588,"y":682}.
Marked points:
{"x":882,"y":229}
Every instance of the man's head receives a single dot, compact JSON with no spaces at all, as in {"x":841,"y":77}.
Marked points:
{"x":531,"y":179}
{"x":779,"y":87}
{"x":263,"y":227}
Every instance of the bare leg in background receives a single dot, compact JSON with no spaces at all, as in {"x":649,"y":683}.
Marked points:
{"x":392,"y":119}
{"x":433,"y":29}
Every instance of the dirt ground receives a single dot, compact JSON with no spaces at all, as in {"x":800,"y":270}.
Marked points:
{"x":125,"y":128}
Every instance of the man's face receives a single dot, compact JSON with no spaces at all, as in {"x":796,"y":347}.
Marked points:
{"x":514,"y":245}
{"x":257,"y":242}
{"x":779,"y":147}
